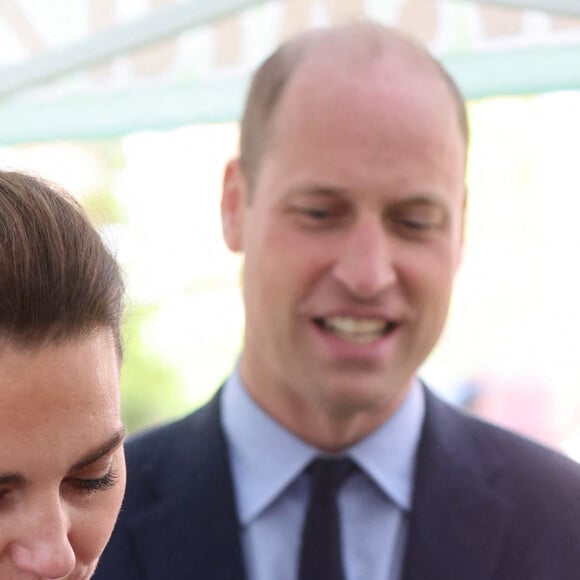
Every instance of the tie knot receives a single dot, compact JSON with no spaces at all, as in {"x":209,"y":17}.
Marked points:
{"x":327,"y":475}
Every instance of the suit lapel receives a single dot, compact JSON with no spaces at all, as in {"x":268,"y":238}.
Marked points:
{"x":459,"y":513}
{"x":192,"y":530}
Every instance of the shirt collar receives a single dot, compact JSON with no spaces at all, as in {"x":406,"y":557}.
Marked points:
{"x":387,"y":455}
{"x":266,"y":457}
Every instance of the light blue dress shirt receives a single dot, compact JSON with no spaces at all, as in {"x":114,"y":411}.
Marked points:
{"x":272,"y":491}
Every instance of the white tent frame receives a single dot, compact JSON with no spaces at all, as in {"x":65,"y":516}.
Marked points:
{"x":511,"y":72}
{"x":165,"y":22}
{"x":562,"y":7}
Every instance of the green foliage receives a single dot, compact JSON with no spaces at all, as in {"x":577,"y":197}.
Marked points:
{"x":104,"y":208}
{"x":150,"y":387}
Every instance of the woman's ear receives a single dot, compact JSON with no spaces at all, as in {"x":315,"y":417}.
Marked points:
{"x":233,"y":206}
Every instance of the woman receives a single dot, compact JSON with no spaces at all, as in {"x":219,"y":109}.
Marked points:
{"x":62,"y":469}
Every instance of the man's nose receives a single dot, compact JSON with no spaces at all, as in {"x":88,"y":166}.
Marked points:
{"x":365,"y":265}
{"x":42,"y":546}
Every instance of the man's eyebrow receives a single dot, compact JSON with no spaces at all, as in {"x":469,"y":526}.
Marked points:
{"x":330,"y":191}
{"x":317,"y":190}
{"x":104,"y":448}
{"x":421,"y":199}
{"x":11,"y":479}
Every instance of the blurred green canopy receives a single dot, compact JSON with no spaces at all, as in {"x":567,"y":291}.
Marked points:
{"x":88,"y":69}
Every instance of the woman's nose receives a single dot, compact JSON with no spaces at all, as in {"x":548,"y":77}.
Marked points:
{"x":43,"y":547}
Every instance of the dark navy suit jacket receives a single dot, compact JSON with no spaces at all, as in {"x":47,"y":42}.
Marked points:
{"x":488,"y":505}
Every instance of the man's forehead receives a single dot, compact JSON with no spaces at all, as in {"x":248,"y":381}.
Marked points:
{"x":344,"y":63}
{"x":325,"y":82}
{"x":402,"y":71}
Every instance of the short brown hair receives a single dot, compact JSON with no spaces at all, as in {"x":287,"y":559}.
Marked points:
{"x":269,"y":81}
{"x":58,"y":280}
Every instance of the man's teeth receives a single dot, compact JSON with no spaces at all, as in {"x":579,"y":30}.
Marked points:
{"x":360,"y":330}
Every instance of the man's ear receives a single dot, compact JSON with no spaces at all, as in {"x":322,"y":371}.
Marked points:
{"x":233,"y":205}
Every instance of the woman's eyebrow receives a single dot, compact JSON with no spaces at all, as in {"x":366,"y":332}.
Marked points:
{"x":106,"y":447}
{"x":11,"y":478}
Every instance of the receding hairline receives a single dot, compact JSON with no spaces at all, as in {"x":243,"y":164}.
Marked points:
{"x":350,"y":45}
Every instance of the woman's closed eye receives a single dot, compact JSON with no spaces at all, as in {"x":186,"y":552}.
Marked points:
{"x":98,"y":470}
{"x":95,"y":484}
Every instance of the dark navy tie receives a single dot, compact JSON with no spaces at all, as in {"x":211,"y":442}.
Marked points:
{"x":320,"y":552}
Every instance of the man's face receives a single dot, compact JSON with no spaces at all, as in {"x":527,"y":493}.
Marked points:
{"x":351,"y":241}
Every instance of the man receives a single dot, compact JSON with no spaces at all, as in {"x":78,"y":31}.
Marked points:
{"x":348,"y":204}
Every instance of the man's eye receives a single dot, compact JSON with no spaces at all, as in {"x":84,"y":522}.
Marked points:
{"x":417,"y":225}
{"x":315,"y":213}
{"x":417,"y":222}
{"x":98,"y":484}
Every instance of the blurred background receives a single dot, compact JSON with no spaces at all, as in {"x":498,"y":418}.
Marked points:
{"x":132,"y":106}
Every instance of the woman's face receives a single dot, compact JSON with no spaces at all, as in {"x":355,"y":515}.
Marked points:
{"x":62,"y":468}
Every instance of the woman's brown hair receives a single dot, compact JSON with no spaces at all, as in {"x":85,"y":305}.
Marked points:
{"x":58,"y":280}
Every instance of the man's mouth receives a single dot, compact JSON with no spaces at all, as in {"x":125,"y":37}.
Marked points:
{"x":358,"y":330}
